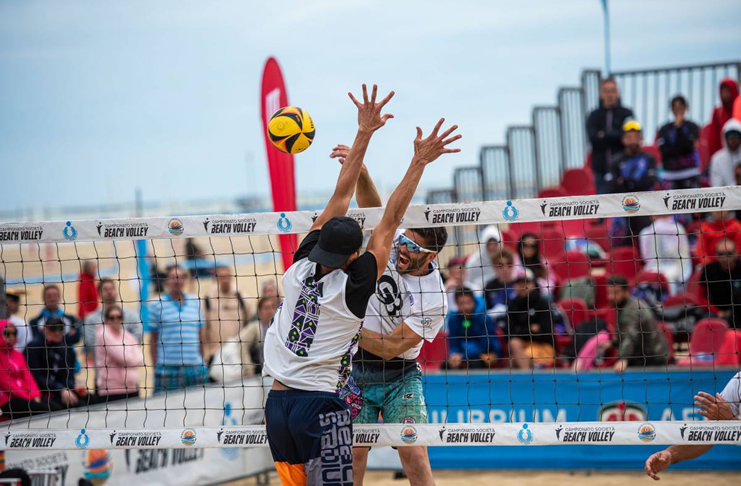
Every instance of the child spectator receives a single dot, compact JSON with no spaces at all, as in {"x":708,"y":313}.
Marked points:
{"x":499,"y":291}
{"x":472,"y":338}
{"x":118,"y":356}
{"x":456,"y":277}
{"x":19,"y":394}
{"x":529,"y":325}
{"x":677,"y":142}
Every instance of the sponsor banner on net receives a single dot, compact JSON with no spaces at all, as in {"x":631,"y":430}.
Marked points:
{"x":457,"y":434}
{"x":233,"y":226}
{"x":30,"y":440}
{"x":118,"y":230}
{"x":21,"y":233}
{"x":694,"y":201}
{"x":467,"y":214}
{"x":566,"y":209}
{"x":242,"y":436}
{"x":710,"y":433}
{"x":573,"y":433}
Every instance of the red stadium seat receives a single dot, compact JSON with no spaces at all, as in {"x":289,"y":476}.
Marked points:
{"x":555,"y":191}
{"x":573,"y":264}
{"x":696,"y":288}
{"x":625,"y":261}
{"x":578,"y":182}
{"x":510,"y":239}
{"x":575,"y":310}
{"x":434,"y":354}
{"x":653,"y":150}
{"x":706,"y":342}
{"x":600,"y":291}
{"x":669,"y":336}
{"x":553,"y":244}
{"x":729,"y":353}
{"x":598,"y":230}
{"x":653,"y":278}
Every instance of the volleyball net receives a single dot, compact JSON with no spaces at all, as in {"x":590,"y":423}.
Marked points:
{"x":590,"y":320}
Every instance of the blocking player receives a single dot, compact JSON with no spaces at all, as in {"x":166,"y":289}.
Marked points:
{"x":408,"y":307}
{"x":725,"y":405}
{"x":316,"y":330}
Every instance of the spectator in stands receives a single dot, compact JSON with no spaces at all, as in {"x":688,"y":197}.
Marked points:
{"x":665,"y":249}
{"x":19,"y":394}
{"x":478,"y":265}
{"x":721,"y":279}
{"x":724,"y":162}
{"x":252,"y":336}
{"x":24,"y":333}
{"x":638,"y":341}
{"x":528,"y":254}
{"x":226,"y":313}
{"x":95,"y":319}
{"x":87,"y":292}
{"x":604,"y":128}
{"x":721,"y":225}
{"x":678,"y":142}
{"x":499,"y":291}
{"x":472,"y":337}
{"x":456,"y":277}
{"x":632,"y":169}
{"x":737,"y":174}
{"x":118,"y":355}
{"x":196,"y":260}
{"x":529,"y":325}
{"x":178,"y":330}
{"x":52,"y":364}
{"x":721,"y":114}
{"x":52,"y":297}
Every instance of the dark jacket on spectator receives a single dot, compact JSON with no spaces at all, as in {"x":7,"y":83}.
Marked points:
{"x":631,"y":174}
{"x":678,"y":154}
{"x":497,"y":292}
{"x":477,"y":338}
{"x":72,"y":327}
{"x":530,"y":317}
{"x":52,"y":364}
{"x":639,"y":339}
{"x":609,"y":121}
{"x":724,"y":290}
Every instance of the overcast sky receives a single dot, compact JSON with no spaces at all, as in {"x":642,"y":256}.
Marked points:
{"x":98,"y":98}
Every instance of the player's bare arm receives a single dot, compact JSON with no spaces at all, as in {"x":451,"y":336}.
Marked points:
{"x":426,"y":151}
{"x":672,"y":455}
{"x":366,"y":193}
{"x":370,"y":119}
{"x":389,"y":346}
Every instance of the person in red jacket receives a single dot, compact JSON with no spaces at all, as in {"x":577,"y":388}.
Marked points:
{"x":88,"y":290}
{"x":19,"y":393}
{"x":722,"y":225}
{"x":721,"y":114}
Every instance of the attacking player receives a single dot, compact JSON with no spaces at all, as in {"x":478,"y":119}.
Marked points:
{"x":725,"y":405}
{"x":408,"y":307}
{"x":316,"y":330}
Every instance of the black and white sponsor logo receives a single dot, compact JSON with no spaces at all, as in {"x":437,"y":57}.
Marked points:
{"x":366,"y":436}
{"x":357,"y":216}
{"x":583,"y":207}
{"x":241,"y":437}
{"x":711,"y":433}
{"x":30,"y":440}
{"x":237,"y":226}
{"x":122,"y":230}
{"x":21,"y":233}
{"x":583,"y":434}
{"x":467,"y":435}
{"x":695,"y":201}
{"x":135,"y":439}
{"x":469,"y":214}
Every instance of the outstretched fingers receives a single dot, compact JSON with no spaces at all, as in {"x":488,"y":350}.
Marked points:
{"x":437,"y":128}
{"x":419,"y":134}
{"x":447,"y":132}
{"x":365,"y":94}
{"x":374,"y":93}
{"x":386,"y":100}
{"x":357,"y":103}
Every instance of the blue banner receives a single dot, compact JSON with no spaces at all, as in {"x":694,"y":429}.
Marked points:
{"x":562,"y":396}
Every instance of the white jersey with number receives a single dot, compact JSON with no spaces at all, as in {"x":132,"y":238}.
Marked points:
{"x":316,"y":329}
{"x":732,"y":394}
{"x":420,"y":302}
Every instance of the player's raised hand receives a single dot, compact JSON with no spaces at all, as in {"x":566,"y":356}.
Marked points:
{"x":369,"y":111}
{"x":340,"y":152}
{"x":657,"y":463}
{"x":429,"y":149}
{"x":713,"y":407}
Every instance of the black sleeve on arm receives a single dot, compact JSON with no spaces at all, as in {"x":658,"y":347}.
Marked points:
{"x":361,"y":283}
{"x":306,"y":246}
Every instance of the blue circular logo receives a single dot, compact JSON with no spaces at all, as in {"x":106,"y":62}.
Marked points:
{"x":284,"y":224}
{"x":82,"y":440}
{"x":510,"y":212}
{"x":525,"y":435}
{"x":70,"y":233}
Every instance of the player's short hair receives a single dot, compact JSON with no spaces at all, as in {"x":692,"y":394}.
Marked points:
{"x":608,"y":79}
{"x":264,"y":300}
{"x":435,"y":238}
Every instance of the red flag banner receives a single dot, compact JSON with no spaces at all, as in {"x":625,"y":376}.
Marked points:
{"x":272,"y":97}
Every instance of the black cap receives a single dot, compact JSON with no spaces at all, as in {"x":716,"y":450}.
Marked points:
{"x":339,"y":238}
{"x":54,"y":323}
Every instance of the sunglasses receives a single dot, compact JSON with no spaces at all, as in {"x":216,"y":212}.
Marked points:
{"x":10,"y":333}
{"x":725,"y":254}
{"x":412,"y":246}
{"x":529,"y":245}
{"x":55,"y":329}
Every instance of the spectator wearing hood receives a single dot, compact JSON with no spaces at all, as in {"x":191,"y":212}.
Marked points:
{"x":721,"y":114}
{"x":604,"y":128}
{"x":19,"y":394}
{"x":724,"y":162}
{"x":478,"y":266}
{"x":677,"y":142}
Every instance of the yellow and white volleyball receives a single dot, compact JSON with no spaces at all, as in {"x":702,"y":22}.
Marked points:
{"x":291,"y":130}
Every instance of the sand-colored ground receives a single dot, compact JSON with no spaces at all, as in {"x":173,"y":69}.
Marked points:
{"x":544,"y":478}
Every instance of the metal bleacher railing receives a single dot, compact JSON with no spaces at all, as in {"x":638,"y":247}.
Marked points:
{"x":535,"y":156}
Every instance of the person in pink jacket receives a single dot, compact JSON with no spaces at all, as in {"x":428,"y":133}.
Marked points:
{"x":118,"y":356}
{"x":19,"y":393}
